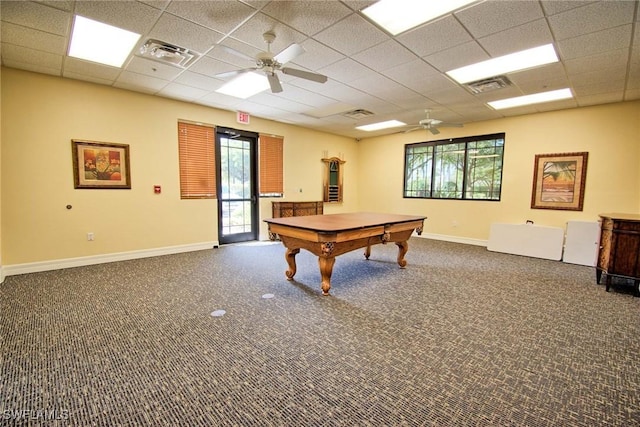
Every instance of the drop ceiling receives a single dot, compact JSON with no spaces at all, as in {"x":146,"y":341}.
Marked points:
{"x":598,"y":43}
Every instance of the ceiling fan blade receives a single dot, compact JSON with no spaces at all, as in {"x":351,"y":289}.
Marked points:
{"x":305,"y":75}
{"x":450,"y":125}
{"x":412,"y":129}
{"x":289,"y":53}
{"x":234,"y":73}
{"x":276,"y":87}
{"x":434,"y":130}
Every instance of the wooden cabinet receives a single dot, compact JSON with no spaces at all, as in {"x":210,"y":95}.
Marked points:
{"x":287,"y":209}
{"x":619,"y":254}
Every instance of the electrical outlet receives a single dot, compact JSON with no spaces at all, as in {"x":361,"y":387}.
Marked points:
{"x":90,"y":237}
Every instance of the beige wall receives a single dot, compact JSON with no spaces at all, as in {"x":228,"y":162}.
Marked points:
{"x":40,"y":116}
{"x":610,"y":133}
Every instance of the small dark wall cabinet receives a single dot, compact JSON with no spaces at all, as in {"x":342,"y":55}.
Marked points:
{"x":619,"y":253}
{"x":287,"y":209}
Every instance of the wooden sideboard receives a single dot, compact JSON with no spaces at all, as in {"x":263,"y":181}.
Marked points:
{"x":287,"y":209}
{"x":619,"y":254}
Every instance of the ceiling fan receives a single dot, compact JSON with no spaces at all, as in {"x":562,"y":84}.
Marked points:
{"x":432,"y":125}
{"x":269,"y":63}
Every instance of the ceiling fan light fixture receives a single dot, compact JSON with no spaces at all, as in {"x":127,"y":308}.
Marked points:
{"x":381,"y":125}
{"x":536,"y":98}
{"x":518,"y":61}
{"x":397,"y":16}
{"x":245,"y":85}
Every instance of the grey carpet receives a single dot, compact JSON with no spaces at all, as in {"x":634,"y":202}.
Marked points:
{"x":461,"y":337}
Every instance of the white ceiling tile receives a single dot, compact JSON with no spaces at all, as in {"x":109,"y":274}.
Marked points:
{"x":346,"y":70}
{"x":557,"y":105}
{"x":37,"y":16}
{"x":458,"y":56}
{"x":152,"y":68}
{"x":139,"y":82}
{"x":593,"y":43}
{"x":86,"y":68}
{"x":305,"y":97}
{"x":598,"y":61}
{"x":66,"y":5}
{"x":591,"y":18}
{"x":493,"y":16}
{"x":178,"y":31}
{"x":330,"y":110}
{"x":25,"y":55}
{"x":219,"y":100}
{"x":410,"y":72}
{"x":235,"y":52}
{"x":308,"y":17}
{"x":317,"y":55}
{"x":385,"y":55}
{"x":210,"y":67}
{"x":36,"y":68}
{"x":612,"y":75}
{"x":129,"y":15}
{"x":540,"y":79}
{"x":435,"y":36}
{"x":552,"y":7}
{"x":352,"y":35}
{"x":87,"y":78}
{"x":450,"y":95}
{"x":221,"y":16}
{"x":199,"y":81}
{"x":532,"y":34}
{"x":601,"y":98}
{"x":251,"y":32}
{"x":597,"y":86}
{"x":183,"y":92}
{"x":34,"y":39}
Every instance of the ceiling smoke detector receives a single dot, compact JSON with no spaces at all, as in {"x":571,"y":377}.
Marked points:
{"x":358,"y":114}
{"x":167,"y":53}
{"x":488,"y":85}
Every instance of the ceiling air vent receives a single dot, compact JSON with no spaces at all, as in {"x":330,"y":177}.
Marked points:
{"x":358,"y":114}
{"x":488,"y":85}
{"x":167,"y":53}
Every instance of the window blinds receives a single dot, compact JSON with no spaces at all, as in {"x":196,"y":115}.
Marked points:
{"x":196,"y":145}
{"x":271,"y":169}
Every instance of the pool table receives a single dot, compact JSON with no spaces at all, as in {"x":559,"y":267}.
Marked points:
{"x":328,"y":236}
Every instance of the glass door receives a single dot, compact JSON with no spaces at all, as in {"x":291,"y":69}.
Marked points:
{"x":237,"y":185}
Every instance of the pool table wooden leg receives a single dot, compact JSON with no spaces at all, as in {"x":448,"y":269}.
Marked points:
{"x":403,"y":247}
{"x":326,"y":268}
{"x":290,"y":256}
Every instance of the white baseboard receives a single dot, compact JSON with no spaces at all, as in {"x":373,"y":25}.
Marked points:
{"x":454,"y":239}
{"x":56,"y":264}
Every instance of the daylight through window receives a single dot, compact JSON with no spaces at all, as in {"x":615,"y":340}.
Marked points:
{"x":467,"y":168}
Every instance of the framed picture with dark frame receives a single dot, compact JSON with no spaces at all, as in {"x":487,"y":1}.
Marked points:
{"x":559,"y":181}
{"x":100,"y":165}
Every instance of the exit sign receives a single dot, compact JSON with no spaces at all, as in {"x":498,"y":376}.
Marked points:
{"x":243,"y":117}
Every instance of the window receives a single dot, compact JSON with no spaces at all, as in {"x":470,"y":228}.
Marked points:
{"x":271,"y":170}
{"x":467,"y":168}
{"x":196,"y":146}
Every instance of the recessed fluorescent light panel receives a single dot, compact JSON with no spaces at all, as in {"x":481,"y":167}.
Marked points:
{"x":381,"y":125}
{"x":518,"y":61}
{"x":245,"y":85}
{"x":536,"y":98}
{"x":102,"y":43}
{"x":397,"y":16}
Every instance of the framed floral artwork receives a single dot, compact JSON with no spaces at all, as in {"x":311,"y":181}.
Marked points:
{"x":100,"y":165}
